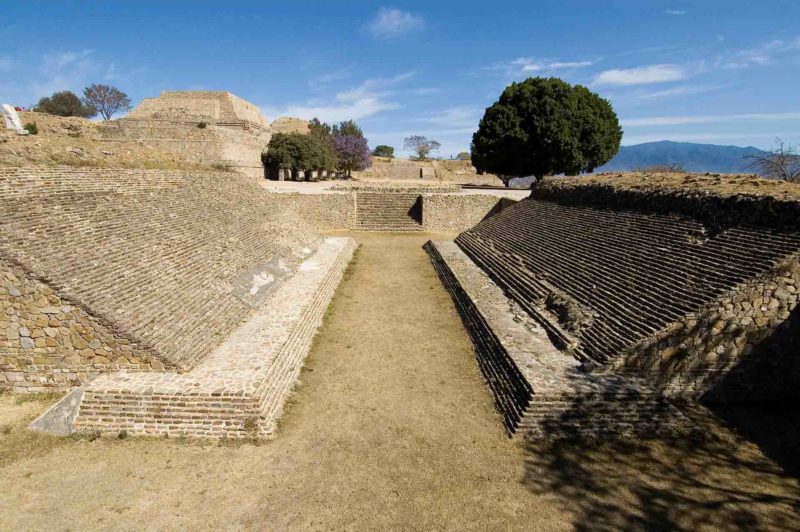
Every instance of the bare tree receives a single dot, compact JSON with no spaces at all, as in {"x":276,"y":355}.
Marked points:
{"x":421,"y":145}
{"x":107,"y":100}
{"x":781,"y":162}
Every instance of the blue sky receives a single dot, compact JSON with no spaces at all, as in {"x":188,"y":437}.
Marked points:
{"x":724,"y":72}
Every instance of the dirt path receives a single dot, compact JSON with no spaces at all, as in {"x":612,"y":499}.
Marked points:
{"x":391,"y":428}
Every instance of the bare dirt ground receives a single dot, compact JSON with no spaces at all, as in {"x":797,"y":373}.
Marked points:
{"x":391,"y":428}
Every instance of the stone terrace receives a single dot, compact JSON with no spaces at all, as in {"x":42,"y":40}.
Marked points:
{"x":152,"y":257}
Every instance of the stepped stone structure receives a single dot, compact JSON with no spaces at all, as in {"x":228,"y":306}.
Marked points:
{"x":604,"y":303}
{"x":176,"y":284}
{"x":204,"y":128}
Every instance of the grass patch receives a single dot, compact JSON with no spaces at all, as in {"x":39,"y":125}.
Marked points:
{"x":45,"y":397}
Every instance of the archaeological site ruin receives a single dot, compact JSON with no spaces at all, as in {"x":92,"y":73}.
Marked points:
{"x":184,"y":302}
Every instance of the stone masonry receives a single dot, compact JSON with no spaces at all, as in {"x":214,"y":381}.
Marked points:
{"x":204,"y":128}
{"x":154,"y":258}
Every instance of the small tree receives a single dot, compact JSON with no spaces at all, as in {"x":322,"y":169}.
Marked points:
{"x":297,"y":152}
{"x":463,"y":156}
{"x":64,"y":103}
{"x":107,"y":100}
{"x":382,"y":150}
{"x":545,"y":126}
{"x":781,"y":162}
{"x":353,"y":153}
{"x":421,"y":145}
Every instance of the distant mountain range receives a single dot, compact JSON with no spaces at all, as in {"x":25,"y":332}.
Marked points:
{"x":693,"y":157}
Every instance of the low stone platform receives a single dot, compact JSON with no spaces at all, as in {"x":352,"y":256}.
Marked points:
{"x":239,"y":389}
{"x":539,"y":390}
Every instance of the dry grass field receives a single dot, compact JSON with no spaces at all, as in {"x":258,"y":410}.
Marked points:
{"x":392,"y":427}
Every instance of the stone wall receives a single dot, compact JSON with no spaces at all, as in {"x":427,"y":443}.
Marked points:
{"x":675,"y":285}
{"x":156,"y":255}
{"x":47,"y":342}
{"x":323,"y":212}
{"x":446,"y":213}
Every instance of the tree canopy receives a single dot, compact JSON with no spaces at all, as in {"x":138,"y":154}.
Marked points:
{"x":65,"y":103}
{"x":106,"y":99}
{"x":382,"y":150}
{"x":353,"y":153}
{"x":295,"y":151}
{"x":545,"y":126}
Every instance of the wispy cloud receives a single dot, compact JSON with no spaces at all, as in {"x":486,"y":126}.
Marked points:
{"x":328,"y":77}
{"x":708,"y":119}
{"x":641,"y":75}
{"x":459,"y":117}
{"x":675,"y":12}
{"x":391,"y":23}
{"x":765,"y":54}
{"x":369,"y":98}
{"x":529,"y":65}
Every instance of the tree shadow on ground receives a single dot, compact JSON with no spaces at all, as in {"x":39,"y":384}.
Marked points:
{"x":715,"y":482}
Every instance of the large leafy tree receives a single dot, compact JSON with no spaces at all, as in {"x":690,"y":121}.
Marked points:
{"x":382,"y":150}
{"x":545,"y":126}
{"x":297,"y":152}
{"x":64,"y":103}
{"x":106,"y":99}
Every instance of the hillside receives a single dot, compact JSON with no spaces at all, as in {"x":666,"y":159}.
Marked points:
{"x":693,"y":157}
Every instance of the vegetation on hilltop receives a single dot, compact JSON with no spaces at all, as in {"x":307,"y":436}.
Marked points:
{"x":382,"y":150}
{"x":545,"y":126}
{"x":421,"y":145}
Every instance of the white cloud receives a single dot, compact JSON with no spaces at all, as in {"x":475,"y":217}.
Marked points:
{"x":526,"y":65}
{"x":462,"y":117}
{"x":640,"y":75}
{"x":390,"y":23}
{"x":369,"y":98}
{"x":708,"y":119}
{"x":763,"y":55}
{"x":675,"y":12}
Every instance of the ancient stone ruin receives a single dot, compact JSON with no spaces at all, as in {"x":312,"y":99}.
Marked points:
{"x":594,"y":308}
{"x":204,"y":127}
{"x":181,"y":303}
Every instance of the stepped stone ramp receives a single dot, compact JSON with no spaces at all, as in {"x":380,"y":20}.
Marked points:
{"x":155,"y":256}
{"x":649,"y":295}
{"x":602,"y":280}
{"x":240,"y":388}
{"x":388,"y":211}
{"x":540,"y":391}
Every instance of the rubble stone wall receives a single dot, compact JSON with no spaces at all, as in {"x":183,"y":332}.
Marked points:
{"x":47,"y":342}
{"x":452,"y":213}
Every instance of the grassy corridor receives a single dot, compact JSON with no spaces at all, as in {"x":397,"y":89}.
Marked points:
{"x":392,"y":427}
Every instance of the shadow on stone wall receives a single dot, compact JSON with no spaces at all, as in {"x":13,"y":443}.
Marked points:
{"x":717,"y":482}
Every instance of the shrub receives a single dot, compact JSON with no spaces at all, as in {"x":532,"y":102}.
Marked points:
{"x":31,"y":128}
{"x":202,"y":125}
{"x":64,"y":103}
{"x":545,"y":126}
{"x":463,"y":156}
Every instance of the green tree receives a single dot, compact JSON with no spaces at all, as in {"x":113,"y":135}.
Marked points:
{"x":545,"y":126}
{"x":64,"y":103}
{"x":327,"y":158}
{"x":463,"y":156}
{"x":106,"y":99}
{"x":297,"y":152}
{"x":348,"y":128}
{"x":382,"y":150}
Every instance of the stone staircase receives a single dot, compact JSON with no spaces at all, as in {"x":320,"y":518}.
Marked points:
{"x":388,"y":211}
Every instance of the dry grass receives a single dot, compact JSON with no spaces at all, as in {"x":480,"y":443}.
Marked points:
{"x":722,"y":184}
{"x":393,"y":428}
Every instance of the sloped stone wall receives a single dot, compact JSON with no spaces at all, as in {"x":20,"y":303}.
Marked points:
{"x":152,"y":253}
{"x":49,"y":343}
{"x":684,"y":287}
{"x":449,"y":213}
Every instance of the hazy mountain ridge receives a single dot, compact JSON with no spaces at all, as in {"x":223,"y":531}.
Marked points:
{"x":693,"y":157}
